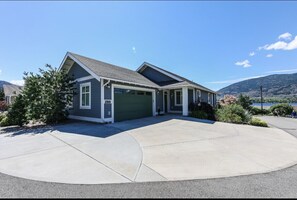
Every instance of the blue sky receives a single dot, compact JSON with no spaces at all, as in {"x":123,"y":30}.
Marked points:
{"x":211,"y":43}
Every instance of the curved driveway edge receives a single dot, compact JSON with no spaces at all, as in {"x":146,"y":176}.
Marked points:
{"x":185,"y":149}
{"x":147,"y":150}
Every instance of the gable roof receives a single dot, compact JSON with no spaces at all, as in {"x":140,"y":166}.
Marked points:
{"x":182,"y":81}
{"x":12,"y":90}
{"x":101,"y":69}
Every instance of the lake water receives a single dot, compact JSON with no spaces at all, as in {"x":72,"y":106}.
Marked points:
{"x":267,"y":105}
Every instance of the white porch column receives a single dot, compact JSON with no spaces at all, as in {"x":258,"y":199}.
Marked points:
{"x":102,"y":97}
{"x":185,"y":101}
{"x":154,"y":103}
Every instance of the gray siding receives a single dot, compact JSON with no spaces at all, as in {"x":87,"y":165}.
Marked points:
{"x":157,"y":77}
{"x":95,"y":110}
{"x":190,"y":96}
{"x":77,"y":71}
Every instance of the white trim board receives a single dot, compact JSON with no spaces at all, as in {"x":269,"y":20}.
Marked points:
{"x":79,"y":63}
{"x":87,"y":84}
{"x":145,"y":64}
{"x":102,"y":98}
{"x":85,"y":78}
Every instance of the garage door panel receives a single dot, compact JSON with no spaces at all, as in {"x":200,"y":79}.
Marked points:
{"x":132,"y":105}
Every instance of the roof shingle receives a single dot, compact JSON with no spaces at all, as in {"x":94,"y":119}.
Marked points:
{"x":106,"y":70}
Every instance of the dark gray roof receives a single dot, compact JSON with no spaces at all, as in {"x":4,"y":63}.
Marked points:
{"x":12,"y":90}
{"x":106,"y":70}
{"x":183,"y":80}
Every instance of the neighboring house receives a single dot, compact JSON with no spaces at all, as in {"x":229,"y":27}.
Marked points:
{"x":10,"y":92}
{"x":108,"y":93}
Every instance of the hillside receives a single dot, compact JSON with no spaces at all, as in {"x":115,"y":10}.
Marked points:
{"x":278,"y":85}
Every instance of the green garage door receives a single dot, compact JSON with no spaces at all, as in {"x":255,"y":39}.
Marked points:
{"x":131,"y":104}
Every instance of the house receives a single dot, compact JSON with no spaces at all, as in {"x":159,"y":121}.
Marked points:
{"x":10,"y":92}
{"x":109,"y":93}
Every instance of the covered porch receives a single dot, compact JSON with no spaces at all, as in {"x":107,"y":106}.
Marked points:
{"x":177,"y":97}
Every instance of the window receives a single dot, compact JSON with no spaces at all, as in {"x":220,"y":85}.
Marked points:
{"x":209,"y":98}
{"x":85,"y":95}
{"x":198,"y":96}
{"x":178,"y":98}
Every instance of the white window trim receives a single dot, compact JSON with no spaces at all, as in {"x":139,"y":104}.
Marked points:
{"x":80,"y":93}
{"x":198,"y":95}
{"x":181,"y":96}
{"x":209,"y":96}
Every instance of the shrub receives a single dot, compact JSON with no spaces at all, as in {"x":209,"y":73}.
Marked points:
{"x":233,"y":114}
{"x":16,"y":114}
{"x":5,"y":121}
{"x":2,"y":115}
{"x":199,"y":114}
{"x":202,"y":109}
{"x":281,"y":109}
{"x":259,"y":111}
{"x":258,"y":122}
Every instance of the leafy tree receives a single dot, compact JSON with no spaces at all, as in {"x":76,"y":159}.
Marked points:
{"x":47,"y":94}
{"x":245,"y":101}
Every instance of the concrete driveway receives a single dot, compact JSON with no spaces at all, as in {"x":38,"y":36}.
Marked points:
{"x":150,"y":149}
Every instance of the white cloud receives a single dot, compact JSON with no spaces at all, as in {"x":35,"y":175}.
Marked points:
{"x":134,"y":49}
{"x":276,"y":46}
{"x":0,"y":71}
{"x":252,"y":54}
{"x":281,"y":45}
{"x":269,"y":55}
{"x":18,"y":82}
{"x":244,"y":63}
{"x":292,"y":45}
{"x":285,"y":36}
{"x":282,"y":71}
{"x":235,"y":80}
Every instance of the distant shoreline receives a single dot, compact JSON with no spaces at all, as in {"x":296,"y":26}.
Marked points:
{"x":268,"y":105}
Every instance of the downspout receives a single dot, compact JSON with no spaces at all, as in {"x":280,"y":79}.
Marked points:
{"x":103,"y":87}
